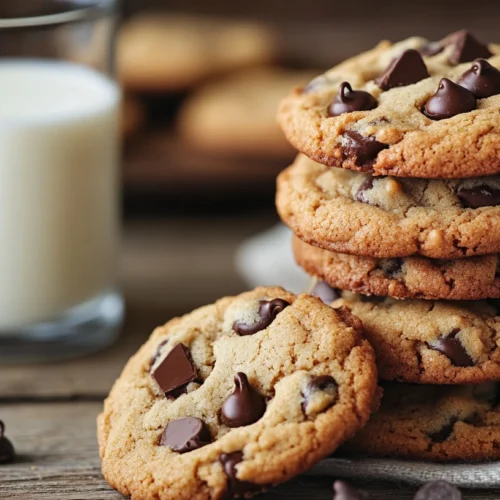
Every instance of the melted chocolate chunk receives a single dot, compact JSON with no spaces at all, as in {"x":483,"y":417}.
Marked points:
{"x":453,"y":349}
{"x":325,"y":292}
{"x":244,"y":406}
{"x":363,"y":149}
{"x":361,"y":192}
{"x":407,"y":69}
{"x":229,"y":462}
{"x":348,"y":100}
{"x":482,"y":79}
{"x":343,"y":491}
{"x":185,"y":434}
{"x":449,"y":100}
{"x":438,"y":490}
{"x":391,"y":267}
{"x":268,"y":311}
{"x":322,"y":383}
{"x":467,"y":48}
{"x":479,"y":196}
{"x":7,"y":453}
{"x":175,"y":372}
{"x":445,"y":432}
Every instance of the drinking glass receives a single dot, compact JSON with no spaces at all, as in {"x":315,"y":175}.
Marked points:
{"x":59,"y":152}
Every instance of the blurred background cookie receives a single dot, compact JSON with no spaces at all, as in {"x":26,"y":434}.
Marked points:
{"x":167,"y":52}
{"x":237,"y":114}
{"x":132,"y":115}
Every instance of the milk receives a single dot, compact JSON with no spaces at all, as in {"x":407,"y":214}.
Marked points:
{"x":58,"y":206}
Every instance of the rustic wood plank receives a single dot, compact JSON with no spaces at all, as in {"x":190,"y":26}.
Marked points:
{"x":58,"y":459}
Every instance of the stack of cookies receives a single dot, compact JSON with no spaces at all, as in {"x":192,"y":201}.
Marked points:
{"x":394,"y":202}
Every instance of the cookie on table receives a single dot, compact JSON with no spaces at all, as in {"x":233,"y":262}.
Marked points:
{"x":166,"y":52}
{"x":403,"y":278}
{"x":431,"y":422}
{"x":427,"y":341}
{"x":238,"y":114}
{"x":355,"y":213}
{"x":412,"y":109}
{"x":235,"y":397}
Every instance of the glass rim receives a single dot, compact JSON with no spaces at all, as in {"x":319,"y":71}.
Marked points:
{"x":91,"y":11}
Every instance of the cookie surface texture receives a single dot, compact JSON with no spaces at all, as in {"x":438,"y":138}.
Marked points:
{"x":430,"y":341}
{"x":353,"y":213}
{"x":437,"y":423}
{"x":403,"y":278}
{"x":305,"y":362}
{"x":414,"y":123}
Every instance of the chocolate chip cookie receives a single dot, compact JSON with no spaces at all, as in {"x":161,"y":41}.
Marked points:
{"x":159,"y":52}
{"x":235,"y":397}
{"x":430,"y":422}
{"x":355,"y":213}
{"x":237,"y":115}
{"x":428,"y":341}
{"x":403,"y":278}
{"x":410,"y":109}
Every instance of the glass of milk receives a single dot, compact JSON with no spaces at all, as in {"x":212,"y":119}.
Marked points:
{"x":58,"y":179}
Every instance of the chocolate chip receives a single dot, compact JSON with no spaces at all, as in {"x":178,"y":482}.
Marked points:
{"x":175,"y":372}
{"x":438,"y":490}
{"x":449,"y":100}
{"x":363,"y":149}
{"x":445,"y":432}
{"x":185,"y":434}
{"x":361,"y":192}
{"x":229,"y":462}
{"x":268,"y":311}
{"x":325,"y":292}
{"x":391,"y":267}
{"x":321,"y":383}
{"x":408,"y":68}
{"x":482,"y":79}
{"x":343,"y":491}
{"x":244,"y":405}
{"x":467,"y":48}
{"x":479,"y":196}
{"x":348,"y":100}
{"x":7,"y":453}
{"x":453,"y":349}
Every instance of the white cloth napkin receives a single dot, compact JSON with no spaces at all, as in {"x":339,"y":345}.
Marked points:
{"x":267,"y":259}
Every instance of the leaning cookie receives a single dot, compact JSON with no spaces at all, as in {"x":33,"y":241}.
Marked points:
{"x":235,"y":397}
{"x":412,"y":109}
{"x":430,"y":422}
{"x":403,"y":278}
{"x":351,"y":212}
{"x":424,"y":341}
{"x":159,"y":52}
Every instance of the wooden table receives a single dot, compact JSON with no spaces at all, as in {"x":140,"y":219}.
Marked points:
{"x":168,"y":267}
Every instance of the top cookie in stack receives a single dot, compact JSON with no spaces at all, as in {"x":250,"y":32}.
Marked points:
{"x":412,"y":109}
{"x":397,"y":194}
